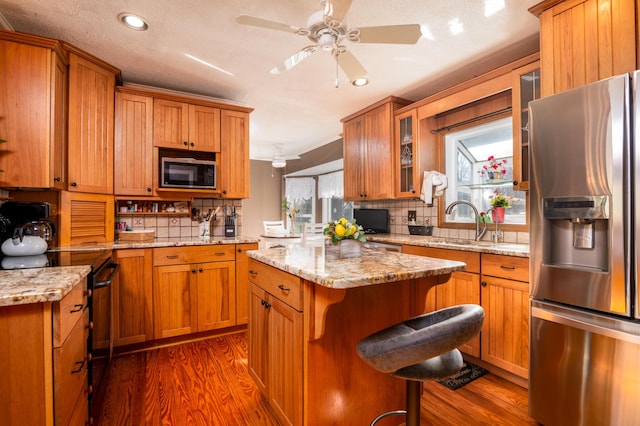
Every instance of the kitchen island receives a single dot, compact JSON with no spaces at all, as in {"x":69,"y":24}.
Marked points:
{"x":308,"y":313}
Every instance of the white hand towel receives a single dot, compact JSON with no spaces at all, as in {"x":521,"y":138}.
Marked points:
{"x":440,"y":183}
{"x":431,"y":181}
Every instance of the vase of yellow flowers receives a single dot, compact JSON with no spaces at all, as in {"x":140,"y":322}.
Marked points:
{"x":345,"y":239}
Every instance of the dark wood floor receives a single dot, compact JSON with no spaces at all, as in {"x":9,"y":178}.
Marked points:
{"x":206,"y":383}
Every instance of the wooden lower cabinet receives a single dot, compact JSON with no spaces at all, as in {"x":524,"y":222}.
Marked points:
{"x":43,"y":347}
{"x":500,"y":285}
{"x":133,"y":297}
{"x":461,"y":288}
{"x":242,"y":282}
{"x":275,"y":353}
{"x":191,"y":297}
{"x":505,"y":298}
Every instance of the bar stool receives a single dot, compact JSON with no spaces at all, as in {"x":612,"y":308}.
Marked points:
{"x":421,"y":348}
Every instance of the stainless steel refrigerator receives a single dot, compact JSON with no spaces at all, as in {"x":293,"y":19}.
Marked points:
{"x":585,"y":326}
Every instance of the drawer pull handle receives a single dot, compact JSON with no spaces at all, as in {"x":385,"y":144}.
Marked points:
{"x":173,"y":256}
{"x":80,"y":365}
{"x":76,"y":308}
{"x":507,"y":268}
{"x":283,"y":288}
{"x":253,"y":273}
{"x":220,"y":253}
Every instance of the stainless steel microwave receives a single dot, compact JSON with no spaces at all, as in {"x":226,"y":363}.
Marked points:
{"x":187,"y":173}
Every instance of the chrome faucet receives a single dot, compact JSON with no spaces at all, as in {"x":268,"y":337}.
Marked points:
{"x":478,"y":217}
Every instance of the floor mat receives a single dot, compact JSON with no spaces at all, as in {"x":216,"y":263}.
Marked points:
{"x":467,"y":374}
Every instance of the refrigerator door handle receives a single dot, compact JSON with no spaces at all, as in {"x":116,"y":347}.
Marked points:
{"x":575,"y":321}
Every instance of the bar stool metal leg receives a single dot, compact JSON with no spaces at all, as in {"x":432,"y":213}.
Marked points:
{"x":413,"y":402}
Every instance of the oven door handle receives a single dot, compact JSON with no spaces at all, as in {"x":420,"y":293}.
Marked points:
{"x":100,"y":284}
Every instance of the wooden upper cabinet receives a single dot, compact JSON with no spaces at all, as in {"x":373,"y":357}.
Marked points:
{"x":525,"y":88}
{"x":180,"y":125}
{"x":33,"y":84}
{"x":133,"y":145}
{"x":353,"y":147}
{"x":368,"y":151}
{"x":582,"y":41}
{"x":233,"y":161}
{"x":91,"y":110}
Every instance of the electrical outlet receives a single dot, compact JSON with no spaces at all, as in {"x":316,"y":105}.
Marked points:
{"x":411,"y":216}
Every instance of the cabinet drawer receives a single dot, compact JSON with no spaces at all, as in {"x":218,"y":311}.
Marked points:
{"x":194,"y":254}
{"x":67,"y":312}
{"x":282,"y":285}
{"x":70,"y":371}
{"x":472,"y":259}
{"x":509,"y":267}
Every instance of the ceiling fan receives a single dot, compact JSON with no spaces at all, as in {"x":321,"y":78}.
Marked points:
{"x":279,"y":160}
{"x":327,"y":30}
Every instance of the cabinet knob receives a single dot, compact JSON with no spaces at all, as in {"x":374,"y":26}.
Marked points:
{"x":200,"y":270}
{"x":90,"y":325}
{"x":483,"y":283}
{"x":192,"y":144}
{"x":515,"y":183}
{"x":185,"y":143}
{"x":148,"y":189}
{"x":239,"y":250}
{"x":74,"y":184}
{"x":88,"y":293}
{"x":266,"y":304}
{"x":58,"y":179}
{"x":224,"y":192}
{"x":193,"y":271}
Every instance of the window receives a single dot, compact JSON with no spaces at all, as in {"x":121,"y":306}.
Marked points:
{"x":467,"y":165}
{"x":301,"y":194}
{"x":331,"y":191}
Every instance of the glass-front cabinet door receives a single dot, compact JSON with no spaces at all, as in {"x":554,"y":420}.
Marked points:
{"x":526,"y":88}
{"x":406,"y":155}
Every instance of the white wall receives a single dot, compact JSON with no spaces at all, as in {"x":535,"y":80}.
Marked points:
{"x":264,"y":200}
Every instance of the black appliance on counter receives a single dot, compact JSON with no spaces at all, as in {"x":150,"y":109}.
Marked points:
{"x":373,"y":221}
{"x":16,"y":214}
{"x":103,"y":269}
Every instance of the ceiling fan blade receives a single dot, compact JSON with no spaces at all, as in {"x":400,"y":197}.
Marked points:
{"x":294,"y":60}
{"x":337,"y":9}
{"x":351,"y":66}
{"x":394,"y":34}
{"x":264,"y":23}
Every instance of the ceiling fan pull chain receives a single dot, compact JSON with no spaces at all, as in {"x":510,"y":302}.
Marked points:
{"x":337,"y":80}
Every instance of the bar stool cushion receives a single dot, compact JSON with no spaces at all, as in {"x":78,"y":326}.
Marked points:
{"x":423,"y":347}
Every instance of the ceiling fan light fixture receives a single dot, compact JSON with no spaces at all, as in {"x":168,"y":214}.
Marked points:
{"x":278,"y":163}
{"x":132,"y":21}
{"x":360,"y":82}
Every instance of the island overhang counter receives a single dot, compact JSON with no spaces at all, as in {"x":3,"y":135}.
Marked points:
{"x":306,"y":315}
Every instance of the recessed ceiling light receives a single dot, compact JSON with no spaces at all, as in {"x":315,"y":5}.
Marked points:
{"x":359,"y":82}
{"x":132,"y":21}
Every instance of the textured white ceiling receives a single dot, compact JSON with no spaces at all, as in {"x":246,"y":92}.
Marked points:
{"x":302,"y":108}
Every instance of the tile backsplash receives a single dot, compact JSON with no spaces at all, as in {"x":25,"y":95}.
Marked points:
{"x":182,"y":226}
{"x":426,"y":214}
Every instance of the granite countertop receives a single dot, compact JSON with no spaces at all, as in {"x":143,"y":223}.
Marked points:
{"x":506,"y":249}
{"x":22,"y":286}
{"x":372,"y":267}
{"x":158,"y":242}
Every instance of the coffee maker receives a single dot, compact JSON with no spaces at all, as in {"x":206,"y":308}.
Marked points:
{"x":20,"y":218}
